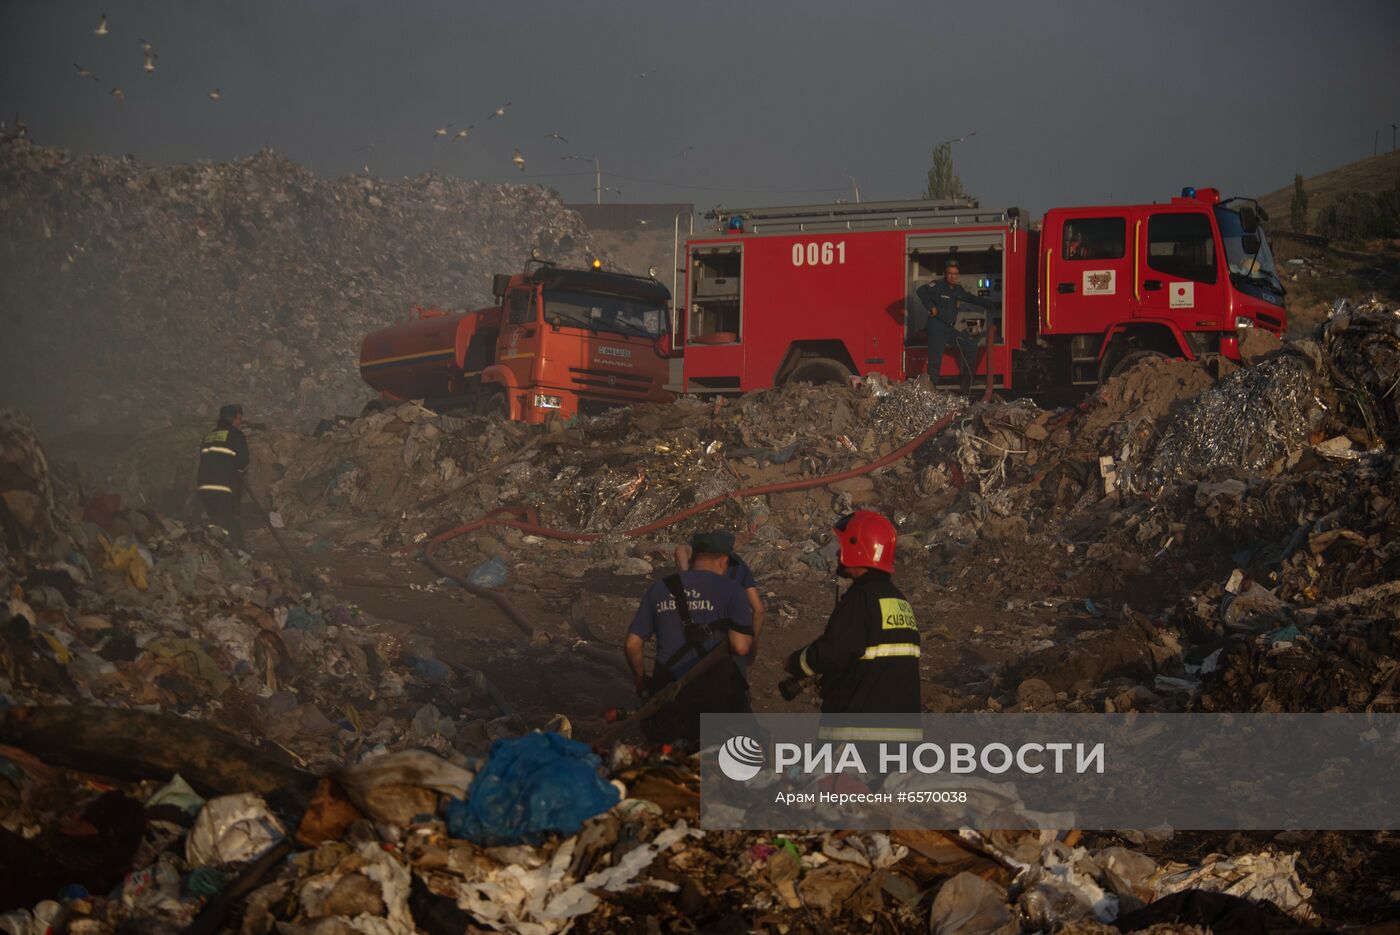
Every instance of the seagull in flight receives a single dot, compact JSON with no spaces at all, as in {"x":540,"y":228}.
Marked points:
{"x":101,"y":29}
{"x":555,"y":136}
{"x":519,"y":160}
{"x":149,"y":65}
{"x":499,"y":111}
{"x":83,"y":72}
{"x":462,"y":133}
{"x":119,"y":94}
{"x":145,"y":46}
{"x":441,"y":132}
{"x":214,"y":95}
{"x":682,"y":152}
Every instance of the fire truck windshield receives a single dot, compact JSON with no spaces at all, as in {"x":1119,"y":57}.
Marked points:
{"x":1256,"y":270}
{"x":604,"y":312}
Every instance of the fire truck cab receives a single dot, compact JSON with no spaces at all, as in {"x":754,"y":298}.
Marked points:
{"x":1176,"y":279}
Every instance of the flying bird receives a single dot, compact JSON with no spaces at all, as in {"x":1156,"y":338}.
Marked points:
{"x":149,"y":65}
{"x":83,"y":72}
{"x":462,"y":133}
{"x":682,"y":152}
{"x":145,"y":46}
{"x":214,"y":95}
{"x":519,"y":160}
{"x":556,"y":136}
{"x":119,"y":94}
{"x":101,"y":29}
{"x":499,"y":111}
{"x":643,"y":74}
{"x":441,"y":132}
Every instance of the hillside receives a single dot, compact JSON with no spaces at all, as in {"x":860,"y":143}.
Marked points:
{"x":138,"y":295}
{"x":1366,"y":175}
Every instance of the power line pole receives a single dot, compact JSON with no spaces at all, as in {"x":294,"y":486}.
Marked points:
{"x":598,"y":180}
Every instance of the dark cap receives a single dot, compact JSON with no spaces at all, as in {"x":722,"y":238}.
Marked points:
{"x":951,"y":263}
{"x":716,"y":542}
{"x":230,"y":412}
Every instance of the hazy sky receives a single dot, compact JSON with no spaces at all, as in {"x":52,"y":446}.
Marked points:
{"x":770,"y":102}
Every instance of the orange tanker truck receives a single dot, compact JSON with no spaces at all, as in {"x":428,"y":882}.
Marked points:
{"x":558,"y":342}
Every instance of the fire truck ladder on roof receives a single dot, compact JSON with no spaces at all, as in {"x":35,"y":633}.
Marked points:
{"x":870,"y":215}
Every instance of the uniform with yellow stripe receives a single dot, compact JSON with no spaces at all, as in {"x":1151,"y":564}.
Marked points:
{"x":868,"y":656}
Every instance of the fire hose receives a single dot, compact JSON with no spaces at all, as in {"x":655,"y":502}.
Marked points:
{"x":527,"y":521}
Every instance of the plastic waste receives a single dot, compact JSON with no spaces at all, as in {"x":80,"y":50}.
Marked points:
{"x":178,"y":793}
{"x":232,"y":829}
{"x":427,"y":669}
{"x":968,"y":904}
{"x":489,"y":574}
{"x":206,"y":881}
{"x":299,"y":618}
{"x":531,"y":785}
{"x":397,"y":787}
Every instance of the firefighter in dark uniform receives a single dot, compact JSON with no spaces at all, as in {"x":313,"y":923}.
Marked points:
{"x":941,"y":298}
{"x":690,"y":614}
{"x":223,"y":459}
{"x":868,"y":655}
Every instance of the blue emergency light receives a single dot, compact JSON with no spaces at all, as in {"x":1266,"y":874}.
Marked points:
{"x":1188,"y":192}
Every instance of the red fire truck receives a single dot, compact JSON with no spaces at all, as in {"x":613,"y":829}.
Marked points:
{"x":825,"y":292}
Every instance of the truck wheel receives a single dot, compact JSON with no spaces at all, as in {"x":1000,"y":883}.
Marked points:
{"x":819,"y":370}
{"x":493,"y":404}
{"x":1131,"y":359}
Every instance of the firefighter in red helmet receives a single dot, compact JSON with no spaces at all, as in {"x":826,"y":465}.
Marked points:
{"x":868,"y":656}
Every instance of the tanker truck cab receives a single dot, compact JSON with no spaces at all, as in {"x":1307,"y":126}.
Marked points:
{"x":577,"y":342}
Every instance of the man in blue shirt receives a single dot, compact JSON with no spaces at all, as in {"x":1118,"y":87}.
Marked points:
{"x":740,"y":572}
{"x":690,"y":614}
{"x":941,"y":298}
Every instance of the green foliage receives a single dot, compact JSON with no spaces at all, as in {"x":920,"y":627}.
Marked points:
{"x":1361,"y":215}
{"x":943,"y":181}
{"x":1298,"y":210}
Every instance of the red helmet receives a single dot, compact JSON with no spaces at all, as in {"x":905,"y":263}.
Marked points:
{"x":867,"y":540}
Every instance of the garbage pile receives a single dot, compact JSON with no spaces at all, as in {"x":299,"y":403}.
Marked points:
{"x":129,"y":609}
{"x":134,"y":292}
{"x":388,"y":477}
{"x":539,"y":836}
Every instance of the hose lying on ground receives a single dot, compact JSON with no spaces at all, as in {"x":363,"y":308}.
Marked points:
{"x":526,"y":520}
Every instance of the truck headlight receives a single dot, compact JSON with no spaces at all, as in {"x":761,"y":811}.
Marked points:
{"x":547,"y":402}
{"x":1243,"y":322}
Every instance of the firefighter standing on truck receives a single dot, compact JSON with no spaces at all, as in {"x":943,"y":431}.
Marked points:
{"x":223,"y":460}
{"x":868,"y":655}
{"x":941,"y":298}
{"x":691,"y":614}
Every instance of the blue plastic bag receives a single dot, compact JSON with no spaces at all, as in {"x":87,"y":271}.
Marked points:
{"x":531,"y":786}
{"x":489,"y":574}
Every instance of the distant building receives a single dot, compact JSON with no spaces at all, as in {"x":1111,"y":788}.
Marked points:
{"x":634,"y":217}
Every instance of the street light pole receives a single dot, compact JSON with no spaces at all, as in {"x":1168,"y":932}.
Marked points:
{"x":854,"y":187}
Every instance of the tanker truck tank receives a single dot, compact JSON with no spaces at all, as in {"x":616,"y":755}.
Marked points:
{"x":425,"y":357}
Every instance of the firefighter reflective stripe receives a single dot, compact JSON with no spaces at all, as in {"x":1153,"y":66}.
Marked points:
{"x":890,"y":650}
{"x":870,"y":733}
{"x":219,"y":450}
{"x":219,"y":487}
{"x":806,"y":669}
